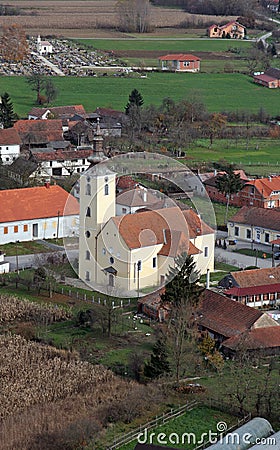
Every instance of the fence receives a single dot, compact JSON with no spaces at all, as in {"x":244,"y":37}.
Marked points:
{"x":158,"y":421}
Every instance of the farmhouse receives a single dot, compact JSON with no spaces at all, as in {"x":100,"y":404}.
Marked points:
{"x":180,"y":62}
{"x":223,"y":318}
{"x":270,"y":78}
{"x":60,"y":162}
{"x":39,"y":133}
{"x":37,"y":213}
{"x":10,"y":143}
{"x":252,"y":224}
{"x":262,"y":193}
{"x":231,"y":30}
{"x":256,"y":287}
{"x":56,"y":112}
{"x":266,"y":339}
{"x":130,"y":252}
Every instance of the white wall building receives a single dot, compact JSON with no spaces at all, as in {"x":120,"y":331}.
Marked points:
{"x":44,"y":47}
{"x":9,"y":145}
{"x":43,"y":212}
{"x":4,"y":265}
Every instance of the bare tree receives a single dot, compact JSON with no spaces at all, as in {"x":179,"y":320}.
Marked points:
{"x":133,"y":15}
{"x":13,"y":44}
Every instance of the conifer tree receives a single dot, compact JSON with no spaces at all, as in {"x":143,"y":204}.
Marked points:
{"x":158,"y":364}
{"x":7,"y":115}
{"x":135,"y":99}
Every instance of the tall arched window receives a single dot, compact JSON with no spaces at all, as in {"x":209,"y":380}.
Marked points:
{"x":88,"y":189}
{"x":88,"y":212}
{"x":106,"y":189}
{"x":87,"y":254}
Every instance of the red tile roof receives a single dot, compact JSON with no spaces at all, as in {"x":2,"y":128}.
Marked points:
{"x":62,"y":155}
{"x":151,"y":227}
{"x":260,"y":217}
{"x":257,"y":277}
{"x":26,"y":126}
{"x":258,"y":338}
{"x":253,"y":290}
{"x":9,"y":136}
{"x":224,"y":316}
{"x":126,"y":182}
{"x":36,"y":203}
{"x":264,"y":77}
{"x":265,"y":186}
{"x":179,"y":57}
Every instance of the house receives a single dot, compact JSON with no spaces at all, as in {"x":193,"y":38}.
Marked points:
{"x":261,"y":193}
{"x":152,"y":306}
{"x":4,"y":265}
{"x":266,"y":80}
{"x":131,"y":200}
{"x":231,"y":30}
{"x":60,"y":163}
{"x":180,"y":62}
{"x":21,"y":170}
{"x":273,"y":6}
{"x":43,"y":47}
{"x":130,"y":252}
{"x":10,"y":143}
{"x":56,"y":112}
{"x":223,"y":318}
{"x":39,"y":133}
{"x":124,"y":183}
{"x":37,"y":213}
{"x":255,"y":287}
{"x":252,"y":224}
{"x":210,"y":184}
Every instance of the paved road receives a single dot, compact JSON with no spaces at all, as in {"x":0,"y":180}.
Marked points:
{"x":33,"y":260}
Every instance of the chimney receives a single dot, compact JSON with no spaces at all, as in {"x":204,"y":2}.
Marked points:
{"x":269,"y":178}
{"x":47,"y":185}
{"x":164,"y":236}
{"x":208,"y":279}
{"x":145,"y":195}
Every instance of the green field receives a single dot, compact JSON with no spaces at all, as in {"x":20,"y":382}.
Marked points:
{"x":219,"y":92}
{"x":165,"y":45}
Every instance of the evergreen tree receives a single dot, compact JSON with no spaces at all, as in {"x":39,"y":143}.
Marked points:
{"x":158,"y":364}
{"x":7,"y":115}
{"x":134,"y":99}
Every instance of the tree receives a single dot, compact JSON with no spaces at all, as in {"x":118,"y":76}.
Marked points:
{"x":228,"y":184}
{"x":158,"y":364}
{"x":134,"y":99}
{"x":7,"y":115}
{"x":13,"y":44}
{"x":214,"y":125}
{"x":38,"y":83}
{"x":183,"y":293}
{"x":51,"y":91}
{"x":134,"y":15}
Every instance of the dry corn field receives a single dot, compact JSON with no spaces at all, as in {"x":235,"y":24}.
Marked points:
{"x":87,"y":18}
{"x":13,"y":308}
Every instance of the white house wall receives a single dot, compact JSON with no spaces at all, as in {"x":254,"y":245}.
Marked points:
{"x":259,"y":235}
{"x":47,"y":229}
{"x":9,"y":153}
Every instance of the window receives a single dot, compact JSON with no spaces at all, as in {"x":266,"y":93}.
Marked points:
{"x":154,"y":262}
{"x":139,"y":266}
{"x":266,"y":238}
{"x":103,"y":251}
{"x":25,"y":228}
{"x":84,"y":161}
{"x":16,"y":229}
{"x":248,"y":234}
{"x":87,"y":276}
{"x":186,"y":63}
{"x":206,"y":252}
{"x":88,"y":255}
{"x":50,"y":163}
{"x":88,"y":189}
{"x":112,"y":260}
{"x":88,"y":212}
{"x":87,"y":234}
{"x":236,"y":231}
{"x":106,"y":189}
{"x":6,"y":230}
{"x":124,"y":210}
{"x":111,"y":280}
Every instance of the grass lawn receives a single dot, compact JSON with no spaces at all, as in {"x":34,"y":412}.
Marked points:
{"x":250,"y":252}
{"x":166,"y":46}
{"x":223,"y":267}
{"x":23,"y":248}
{"x":218,"y":91}
{"x":204,"y":208}
{"x":198,"y":421}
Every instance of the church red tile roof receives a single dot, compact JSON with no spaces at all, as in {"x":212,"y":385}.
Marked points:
{"x":36,"y":203}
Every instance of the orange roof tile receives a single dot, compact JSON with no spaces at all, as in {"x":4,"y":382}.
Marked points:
{"x":260,"y":217}
{"x":179,"y":57}
{"x":36,"y":203}
{"x":9,"y":136}
{"x":257,"y":277}
{"x":266,"y":186}
{"x":59,"y":111}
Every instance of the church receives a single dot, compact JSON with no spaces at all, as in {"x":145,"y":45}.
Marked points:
{"x":127,"y":254}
